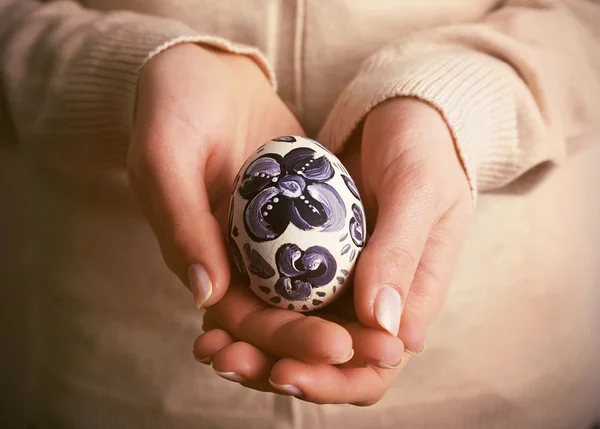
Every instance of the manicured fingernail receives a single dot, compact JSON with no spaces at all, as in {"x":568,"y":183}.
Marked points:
{"x":388,"y":307}
{"x":342,"y":360}
{"x":205,"y":361}
{"x":200,"y":284}
{"x":290,"y":389}
{"x":390,"y":366}
{"x":420,"y":352}
{"x":231,"y":376}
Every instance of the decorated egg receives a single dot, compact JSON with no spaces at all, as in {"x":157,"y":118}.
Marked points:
{"x":296,"y":224}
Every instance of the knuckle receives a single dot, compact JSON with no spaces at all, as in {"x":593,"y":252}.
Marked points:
{"x":242,"y":325}
{"x":410,"y":179}
{"x":153,"y":150}
{"x":429,"y":281}
{"x":402,"y":258}
{"x":172,"y":227}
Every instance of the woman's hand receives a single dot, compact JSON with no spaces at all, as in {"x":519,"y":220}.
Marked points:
{"x":418,"y":203}
{"x":413,"y":180}
{"x":199,"y":114}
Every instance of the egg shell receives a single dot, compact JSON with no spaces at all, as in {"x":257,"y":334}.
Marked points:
{"x":296,"y":224}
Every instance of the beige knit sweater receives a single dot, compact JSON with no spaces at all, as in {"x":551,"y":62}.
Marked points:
{"x":515,"y":79}
{"x":518,"y":82}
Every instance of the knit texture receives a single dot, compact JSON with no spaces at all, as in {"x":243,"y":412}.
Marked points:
{"x":87,"y":102}
{"x":517,"y":82}
{"x":470,"y":90}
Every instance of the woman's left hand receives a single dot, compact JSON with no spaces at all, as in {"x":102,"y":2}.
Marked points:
{"x":419,"y":205}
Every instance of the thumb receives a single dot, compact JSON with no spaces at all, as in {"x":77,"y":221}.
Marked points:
{"x":166,"y":169}
{"x":388,"y":264}
{"x":397,"y":184}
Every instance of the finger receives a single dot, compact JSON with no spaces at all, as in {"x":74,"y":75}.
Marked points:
{"x":371,"y":346}
{"x":208,"y":323}
{"x":327,"y":384}
{"x":166,"y":165}
{"x":374,"y":347}
{"x":432,"y":279}
{"x":278,"y":331}
{"x":208,"y":345}
{"x":245,"y":364}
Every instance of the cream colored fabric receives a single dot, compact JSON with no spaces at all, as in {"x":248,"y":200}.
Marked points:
{"x":514,"y":79}
{"x":517,"y":81}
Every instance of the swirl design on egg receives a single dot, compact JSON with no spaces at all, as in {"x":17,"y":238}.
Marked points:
{"x":286,"y":139}
{"x":357,"y":226}
{"x":301,"y":271}
{"x":290,"y":189}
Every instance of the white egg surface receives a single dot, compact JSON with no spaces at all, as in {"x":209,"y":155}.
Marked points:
{"x":296,"y":224}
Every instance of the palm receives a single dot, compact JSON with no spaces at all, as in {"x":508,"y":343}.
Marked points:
{"x":232,"y":326}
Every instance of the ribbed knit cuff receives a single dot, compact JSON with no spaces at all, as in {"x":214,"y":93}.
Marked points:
{"x":99,"y":94}
{"x":473,"y":92}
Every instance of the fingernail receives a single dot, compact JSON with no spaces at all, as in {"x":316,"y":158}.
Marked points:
{"x":205,"y":361}
{"x":343,"y":360}
{"x":200,"y":284}
{"x":388,"y":307}
{"x":420,"y":352}
{"x":390,"y":366}
{"x":290,"y":389}
{"x":231,"y":376}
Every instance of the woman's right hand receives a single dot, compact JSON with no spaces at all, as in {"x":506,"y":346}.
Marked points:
{"x":199,"y":114}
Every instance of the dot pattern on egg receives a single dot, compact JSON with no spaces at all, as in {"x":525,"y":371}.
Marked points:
{"x":296,"y":224}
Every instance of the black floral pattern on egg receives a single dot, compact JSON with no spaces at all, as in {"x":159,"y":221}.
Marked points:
{"x":298,"y":187}
{"x":238,"y":260}
{"x":301,"y":271}
{"x":351,"y":186}
{"x":357,"y":226}
{"x":235,"y":250}
{"x":236,"y":180}
{"x":290,"y":189}
{"x":352,"y":255}
{"x":257,"y":264}
{"x":286,"y":139}
{"x":230,"y":219}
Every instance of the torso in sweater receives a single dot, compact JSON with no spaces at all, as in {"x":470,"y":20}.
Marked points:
{"x":315,"y":46}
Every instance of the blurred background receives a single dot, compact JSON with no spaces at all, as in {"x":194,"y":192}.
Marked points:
{"x":13,"y":304}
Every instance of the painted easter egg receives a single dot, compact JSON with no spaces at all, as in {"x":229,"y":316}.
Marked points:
{"x":296,"y":224}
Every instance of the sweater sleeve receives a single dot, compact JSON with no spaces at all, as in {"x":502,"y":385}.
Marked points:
{"x":513,"y":88}
{"x":69,"y":76}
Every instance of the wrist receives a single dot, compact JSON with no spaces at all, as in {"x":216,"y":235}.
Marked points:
{"x":415,"y":122}
{"x":420,"y":128}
